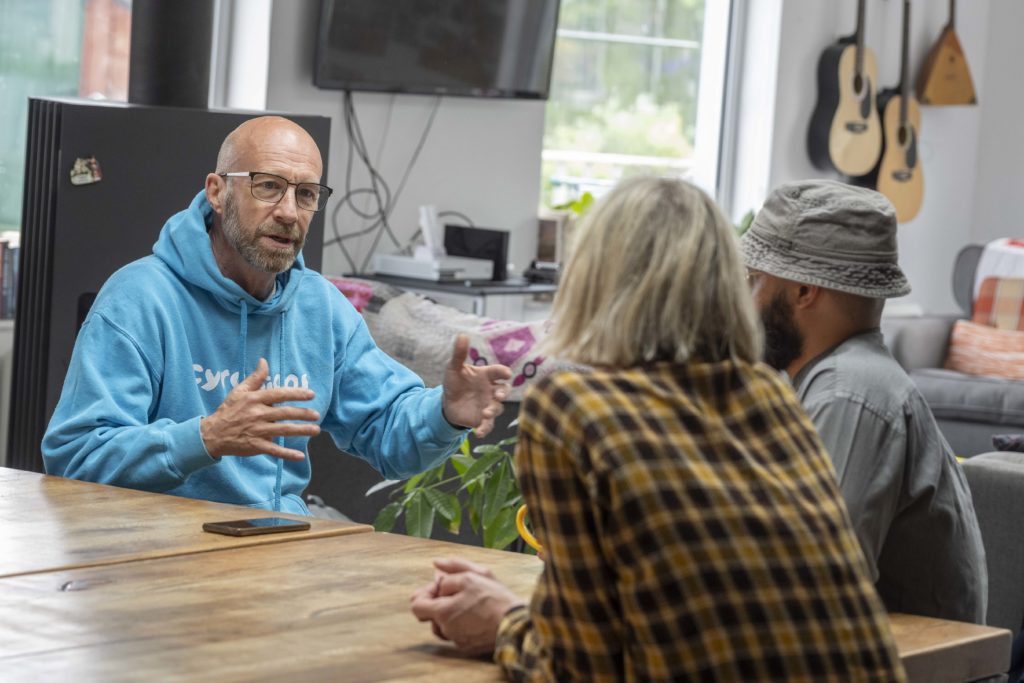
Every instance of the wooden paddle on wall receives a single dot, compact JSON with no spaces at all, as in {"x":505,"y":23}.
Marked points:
{"x":945,"y":78}
{"x":899,"y":170}
{"x":845,"y":132}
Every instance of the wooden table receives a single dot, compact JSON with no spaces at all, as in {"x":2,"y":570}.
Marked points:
{"x":936,"y":650}
{"x":49,"y":523}
{"x":327,"y":609}
{"x":333,"y":608}
{"x":103,"y":583}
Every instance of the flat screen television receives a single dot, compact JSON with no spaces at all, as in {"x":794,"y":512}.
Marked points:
{"x":474,"y":48}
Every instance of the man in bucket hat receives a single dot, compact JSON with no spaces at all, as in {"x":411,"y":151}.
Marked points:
{"x":821,"y":259}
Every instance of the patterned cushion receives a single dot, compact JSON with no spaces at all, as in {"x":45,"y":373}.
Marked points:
{"x":977,"y":349}
{"x":419,"y":334}
{"x":1000,"y":303}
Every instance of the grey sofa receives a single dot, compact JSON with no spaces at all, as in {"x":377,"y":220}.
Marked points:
{"x":997,"y":484}
{"x":970,"y":409}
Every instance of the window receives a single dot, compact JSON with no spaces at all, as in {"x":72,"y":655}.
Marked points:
{"x":637,"y":87}
{"x":54,"y":48}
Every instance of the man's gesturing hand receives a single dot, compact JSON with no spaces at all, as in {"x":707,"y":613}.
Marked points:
{"x":473,"y":395}
{"x":249,"y":419}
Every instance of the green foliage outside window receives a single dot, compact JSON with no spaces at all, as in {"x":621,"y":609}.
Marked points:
{"x":612,"y":93}
{"x":40,"y":49}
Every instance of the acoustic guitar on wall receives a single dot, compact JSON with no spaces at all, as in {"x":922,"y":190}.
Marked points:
{"x":899,"y":174}
{"x":945,"y":78}
{"x":845,"y":132}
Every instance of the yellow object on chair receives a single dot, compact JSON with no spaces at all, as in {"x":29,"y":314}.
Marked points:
{"x":530,"y":539}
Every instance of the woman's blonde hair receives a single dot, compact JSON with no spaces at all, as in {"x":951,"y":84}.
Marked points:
{"x":654,"y":274}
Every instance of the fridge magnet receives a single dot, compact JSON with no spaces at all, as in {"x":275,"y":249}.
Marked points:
{"x":86,"y":171}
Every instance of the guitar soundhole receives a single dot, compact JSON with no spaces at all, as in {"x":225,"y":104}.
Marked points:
{"x":858,"y":84}
{"x":856,"y":126}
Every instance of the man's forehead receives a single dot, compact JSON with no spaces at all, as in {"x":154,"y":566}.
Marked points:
{"x":286,"y":156}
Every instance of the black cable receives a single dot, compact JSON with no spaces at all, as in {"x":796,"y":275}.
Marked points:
{"x":356,"y":147}
{"x":383,"y":200}
{"x":416,"y":152}
{"x":405,"y":177}
{"x":463,"y":216}
{"x":377,"y":182}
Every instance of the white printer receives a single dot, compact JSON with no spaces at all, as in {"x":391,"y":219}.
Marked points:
{"x":430,"y":261}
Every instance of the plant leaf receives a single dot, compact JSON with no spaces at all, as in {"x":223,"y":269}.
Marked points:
{"x":510,"y":441}
{"x":461,"y":463}
{"x":495,"y":492}
{"x":385,"y":520}
{"x":419,"y":518}
{"x":413,"y":481}
{"x":464,"y":447}
{"x":480,"y":467}
{"x":455,"y":524}
{"x":502,"y":530}
{"x":381,"y":485}
{"x":443,"y":504}
{"x":488,"y":449}
{"x":476,"y":499}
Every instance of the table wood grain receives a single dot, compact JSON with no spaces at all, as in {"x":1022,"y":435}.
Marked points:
{"x":327,"y":609}
{"x":333,"y":608}
{"x":937,"y":651}
{"x":49,"y":523}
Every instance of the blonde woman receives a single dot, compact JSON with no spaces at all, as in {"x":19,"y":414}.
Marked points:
{"x":691,"y":522}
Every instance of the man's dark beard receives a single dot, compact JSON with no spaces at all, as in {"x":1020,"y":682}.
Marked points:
{"x":783,"y":342}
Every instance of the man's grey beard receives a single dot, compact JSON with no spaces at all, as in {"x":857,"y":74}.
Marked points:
{"x":256,"y":256}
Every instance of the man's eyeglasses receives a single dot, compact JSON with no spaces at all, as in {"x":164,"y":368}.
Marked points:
{"x":271,"y":188}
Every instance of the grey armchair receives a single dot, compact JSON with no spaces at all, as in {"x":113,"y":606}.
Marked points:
{"x":997,"y":486}
{"x":969,"y":409}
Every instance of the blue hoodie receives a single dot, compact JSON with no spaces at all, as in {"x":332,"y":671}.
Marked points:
{"x":169,"y":336}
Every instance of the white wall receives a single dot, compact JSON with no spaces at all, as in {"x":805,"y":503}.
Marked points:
{"x":951,"y":144}
{"x":482,"y":157}
{"x":999,"y":194}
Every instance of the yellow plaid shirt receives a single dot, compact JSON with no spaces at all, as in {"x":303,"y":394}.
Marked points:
{"x":693,"y":530}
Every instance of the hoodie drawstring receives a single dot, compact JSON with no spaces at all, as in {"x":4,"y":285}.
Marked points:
{"x":243,"y":332}
{"x":280,"y":439}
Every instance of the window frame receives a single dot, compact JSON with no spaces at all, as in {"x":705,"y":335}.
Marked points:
{"x":717,"y":44}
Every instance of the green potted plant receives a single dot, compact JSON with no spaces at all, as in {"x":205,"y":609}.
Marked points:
{"x":475,"y":485}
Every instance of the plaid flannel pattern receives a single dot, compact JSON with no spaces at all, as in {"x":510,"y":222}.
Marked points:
{"x":693,"y":530}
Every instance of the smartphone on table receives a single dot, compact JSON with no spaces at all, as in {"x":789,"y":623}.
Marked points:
{"x":252,"y":527}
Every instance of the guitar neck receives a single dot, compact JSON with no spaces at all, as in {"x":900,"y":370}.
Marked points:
{"x":860,"y":36}
{"x":952,"y":15}
{"x":904,"y":62}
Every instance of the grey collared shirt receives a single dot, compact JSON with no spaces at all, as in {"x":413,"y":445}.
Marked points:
{"x":906,"y":493}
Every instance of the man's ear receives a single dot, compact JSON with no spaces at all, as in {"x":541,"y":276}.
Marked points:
{"x":215,"y":189}
{"x":806,"y":296}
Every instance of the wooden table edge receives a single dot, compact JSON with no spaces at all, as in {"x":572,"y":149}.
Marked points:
{"x":249,"y":542}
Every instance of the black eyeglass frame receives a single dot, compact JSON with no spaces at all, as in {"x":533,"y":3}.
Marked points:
{"x":324,"y":191}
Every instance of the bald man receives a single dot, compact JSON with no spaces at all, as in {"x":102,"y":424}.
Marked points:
{"x":203,"y":369}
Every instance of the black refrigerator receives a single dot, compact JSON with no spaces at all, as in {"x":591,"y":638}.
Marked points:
{"x":100,"y":180}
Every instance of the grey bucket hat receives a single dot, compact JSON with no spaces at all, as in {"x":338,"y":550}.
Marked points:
{"x":827,"y":233}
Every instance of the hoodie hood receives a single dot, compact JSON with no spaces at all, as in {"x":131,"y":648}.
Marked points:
{"x":184,"y":245}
